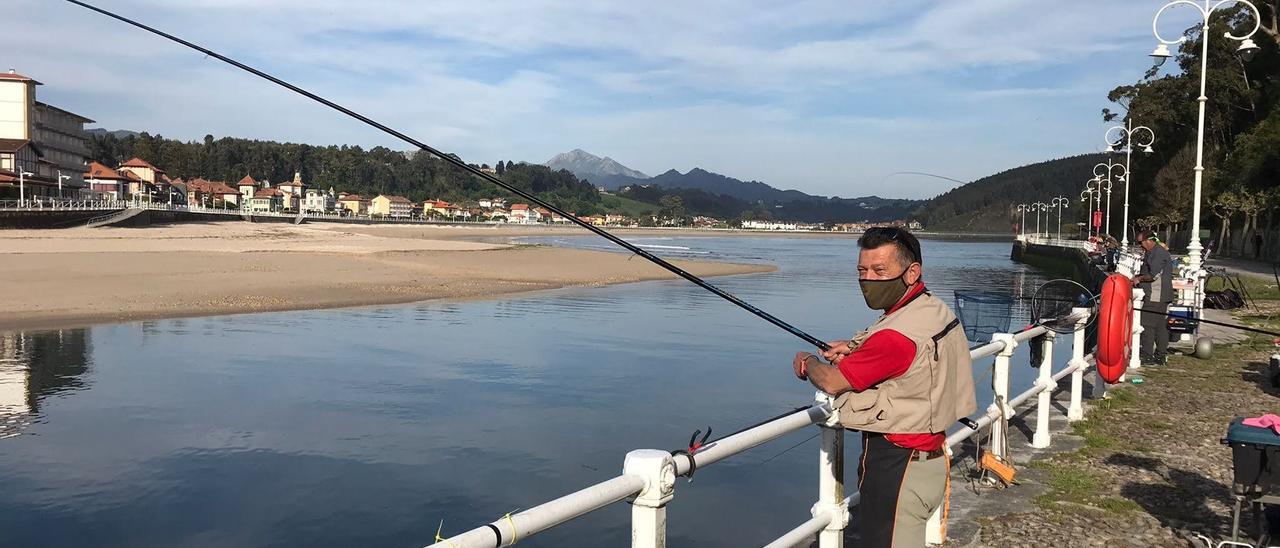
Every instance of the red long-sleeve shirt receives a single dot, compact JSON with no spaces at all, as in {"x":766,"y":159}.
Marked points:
{"x":883,"y":356}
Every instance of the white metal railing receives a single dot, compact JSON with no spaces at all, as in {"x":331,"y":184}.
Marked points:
{"x":648,"y":475}
{"x":1044,"y":239}
{"x":52,"y":204}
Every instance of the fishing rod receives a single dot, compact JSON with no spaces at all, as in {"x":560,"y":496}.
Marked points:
{"x":457,"y":162}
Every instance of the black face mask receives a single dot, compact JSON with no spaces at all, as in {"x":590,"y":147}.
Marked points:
{"x":883,"y":294}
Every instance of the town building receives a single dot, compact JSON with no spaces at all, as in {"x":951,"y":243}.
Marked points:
{"x":354,"y":204}
{"x":267,"y":199}
{"x":442,"y":209}
{"x":106,"y":183}
{"x":37,"y":138}
{"x":523,"y":214}
{"x":204,"y":193}
{"x":292,"y":191}
{"x":247,"y":187}
{"x":319,"y":201}
{"x":768,"y":225}
{"x":390,"y":206}
{"x":148,"y":183}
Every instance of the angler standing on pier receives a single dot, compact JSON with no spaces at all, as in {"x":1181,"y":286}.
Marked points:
{"x":902,"y":382}
{"x":1156,"y":279}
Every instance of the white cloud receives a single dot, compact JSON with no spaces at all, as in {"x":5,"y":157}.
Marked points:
{"x":819,"y":94}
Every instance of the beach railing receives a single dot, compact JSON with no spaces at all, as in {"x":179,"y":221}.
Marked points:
{"x":649,"y":475}
{"x":59,"y":204}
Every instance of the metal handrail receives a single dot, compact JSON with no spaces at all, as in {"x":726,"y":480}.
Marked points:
{"x":653,"y":487}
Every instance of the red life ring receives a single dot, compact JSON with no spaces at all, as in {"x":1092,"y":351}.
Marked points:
{"x":1115,"y":327}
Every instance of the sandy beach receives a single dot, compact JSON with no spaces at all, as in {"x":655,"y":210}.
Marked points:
{"x":77,"y":277}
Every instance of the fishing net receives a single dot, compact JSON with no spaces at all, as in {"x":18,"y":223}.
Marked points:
{"x":1054,"y":305}
{"x":983,"y":314}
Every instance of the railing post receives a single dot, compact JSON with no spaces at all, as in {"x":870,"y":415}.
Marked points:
{"x":831,"y":480}
{"x":1040,"y":439}
{"x":1135,"y":362}
{"x":649,"y":509}
{"x":1000,"y":392}
{"x":1075,"y":411}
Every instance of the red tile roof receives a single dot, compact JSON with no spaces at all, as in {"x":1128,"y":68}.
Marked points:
{"x":139,"y":162}
{"x":352,"y":198}
{"x":130,"y":176}
{"x":267,"y":192}
{"x":519,"y":207}
{"x":247,"y":181}
{"x":210,"y":187}
{"x":99,"y":171}
{"x":11,"y":75}
{"x":400,"y":199}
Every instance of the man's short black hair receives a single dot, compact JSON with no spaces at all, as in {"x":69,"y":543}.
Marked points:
{"x":906,"y":242}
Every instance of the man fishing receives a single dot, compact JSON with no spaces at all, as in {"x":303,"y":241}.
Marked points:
{"x":1156,"y":279}
{"x":902,"y":382}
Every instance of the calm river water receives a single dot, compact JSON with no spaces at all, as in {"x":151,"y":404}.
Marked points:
{"x":368,"y":427}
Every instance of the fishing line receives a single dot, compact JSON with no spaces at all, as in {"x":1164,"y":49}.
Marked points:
{"x":457,"y":162}
{"x":1172,"y":315}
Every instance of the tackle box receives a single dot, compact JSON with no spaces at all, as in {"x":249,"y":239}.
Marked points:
{"x":1255,"y":461}
{"x":1255,"y":458}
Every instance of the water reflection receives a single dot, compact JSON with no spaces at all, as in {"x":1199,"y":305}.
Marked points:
{"x":34,"y":366}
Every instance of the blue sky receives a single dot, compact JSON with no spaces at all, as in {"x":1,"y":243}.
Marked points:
{"x":828,"y":97}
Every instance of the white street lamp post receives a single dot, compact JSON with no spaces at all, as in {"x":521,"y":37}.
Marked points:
{"x":1022,"y":227}
{"x":1126,"y":137}
{"x":1038,"y":208}
{"x":1247,"y":49}
{"x":1087,"y":196}
{"x":22,"y":185}
{"x":1107,"y":170}
{"x":1059,"y":202}
{"x":61,"y":178}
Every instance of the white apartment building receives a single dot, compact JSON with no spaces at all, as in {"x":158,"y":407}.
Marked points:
{"x":41,"y":139}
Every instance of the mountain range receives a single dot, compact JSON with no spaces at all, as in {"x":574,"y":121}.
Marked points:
{"x":589,"y":166}
{"x":787,"y":204}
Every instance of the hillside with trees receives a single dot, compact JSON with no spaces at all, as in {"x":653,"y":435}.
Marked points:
{"x":374,"y":171}
{"x":989,"y":204}
{"x":1241,"y":149}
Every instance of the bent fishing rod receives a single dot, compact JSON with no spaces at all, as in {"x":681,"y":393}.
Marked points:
{"x":457,"y":162}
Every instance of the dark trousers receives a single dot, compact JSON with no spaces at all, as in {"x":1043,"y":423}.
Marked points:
{"x":899,"y":492}
{"x":1154,"y":343}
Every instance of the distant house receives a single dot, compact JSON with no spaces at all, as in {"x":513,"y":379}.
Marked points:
{"x":292,"y":191}
{"x":151,"y":178}
{"x":247,"y":186}
{"x":106,"y":182}
{"x":390,"y":206}
{"x":211,"y":194}
{"x":441,"y":208}
{"x":522,"y":213}
{"x":768,"y":225}
{"x":543,"y":215}
{"x":597,"y":220}
{"x":354,"y":204}
{"x":319,"y":201}
{"x":267,"y":199}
